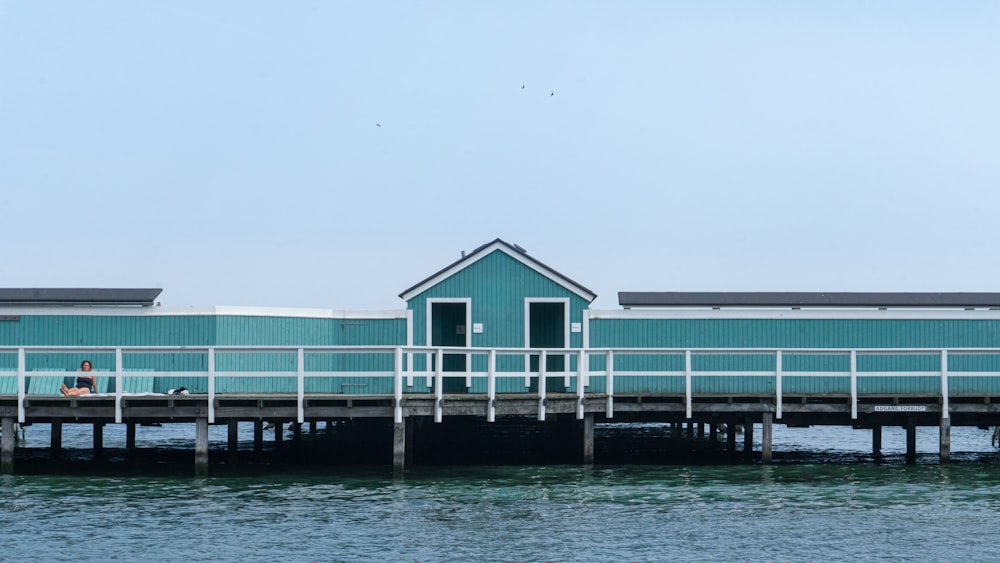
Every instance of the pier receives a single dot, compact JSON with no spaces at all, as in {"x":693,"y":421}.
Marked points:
{"x":415,"y":399}
{"x":500,"y":338}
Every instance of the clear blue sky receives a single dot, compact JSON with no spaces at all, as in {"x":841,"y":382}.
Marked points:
{"x":332,"y":154}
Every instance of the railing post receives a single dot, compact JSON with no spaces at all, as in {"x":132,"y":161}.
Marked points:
{"x":580,"y":379}
{"x":854,"y":384}
{"x":438,"y":387}
{"x":777,"y":384}
{"x":118,"y":385}
{"x":21,"y":369}
{"x":491,"y":387}
{"x":211,"y":385}
{"x":301,"y":386}
{"x":468,"y":370}
{"x":687,"y":384}
{"x":527,"y":370}
{"x":944,"y":384}
{"x":609,"y":385}
{"x":397,"y":407}
{"x":541,"y":386}
{"x":566,"y":362}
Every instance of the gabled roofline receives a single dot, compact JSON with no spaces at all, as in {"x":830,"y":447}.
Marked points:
{"x":511,"y":250}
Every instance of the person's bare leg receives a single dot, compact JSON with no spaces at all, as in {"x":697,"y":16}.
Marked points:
{"x":77,"y":392}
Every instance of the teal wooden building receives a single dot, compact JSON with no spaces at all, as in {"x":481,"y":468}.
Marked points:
{"x":500,"y":332}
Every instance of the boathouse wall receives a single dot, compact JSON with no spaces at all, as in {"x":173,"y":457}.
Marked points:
{"x":820,"y":373}
{"x":498,"y":292}
{"x":153,"y":328}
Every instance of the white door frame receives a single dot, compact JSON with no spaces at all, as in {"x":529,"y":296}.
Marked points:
{"x":527,"y":317}
{"x":468,"y":317}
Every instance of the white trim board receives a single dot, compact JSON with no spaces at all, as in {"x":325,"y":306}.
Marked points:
{"x":786,"y":314}
{"x":502,"y":247}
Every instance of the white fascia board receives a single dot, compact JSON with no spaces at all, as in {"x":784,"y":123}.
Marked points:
{"x":523,"y":259}
{"x":866,"y":314}
{"x":198,"y":311}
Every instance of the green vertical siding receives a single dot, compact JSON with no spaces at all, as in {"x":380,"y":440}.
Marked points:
{"x":498,"y":285}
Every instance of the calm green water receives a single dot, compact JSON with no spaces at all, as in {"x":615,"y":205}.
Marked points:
{"x":797,"y":512}
{"x":825,"y":499}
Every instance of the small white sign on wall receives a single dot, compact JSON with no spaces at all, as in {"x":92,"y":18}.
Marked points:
{"x":477,"y":328}
{"x":575,"y":327}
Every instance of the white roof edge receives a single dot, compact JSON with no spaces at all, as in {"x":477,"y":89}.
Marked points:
{"x":914,"y":314}
{"x":522,"y":258}
{"x":196,"y":311}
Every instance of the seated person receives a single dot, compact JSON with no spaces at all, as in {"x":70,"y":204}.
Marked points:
{"x":85,"y":384}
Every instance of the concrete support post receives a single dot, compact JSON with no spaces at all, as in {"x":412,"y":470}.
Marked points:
{"x":588,"y":438}
{"x":748,"y":438}
{"x":7,"y":439}
{"x":877,"y":441}
{"x":765,"y":437}
{"x":55,"y":439}
{"x":130,"y":436}
{"x":201,"y":446}
{"x":945,"y":451}
{"x":258,"y":436}
{"x":410,"y":436}
{"x":98,"y":438}
{"x":233,"y":441}
{"x":911,"y":440}
{"x":399,"y":445}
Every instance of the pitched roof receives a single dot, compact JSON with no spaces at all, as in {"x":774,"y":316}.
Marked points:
{"x":78,"y":296}
{"x":512,"y":250}
{"x":805,"y":299}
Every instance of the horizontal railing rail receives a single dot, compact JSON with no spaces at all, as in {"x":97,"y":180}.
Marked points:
{"x":483,"y":365}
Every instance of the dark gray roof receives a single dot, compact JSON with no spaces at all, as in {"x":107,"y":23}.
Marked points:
{"x":805,"y":299}
{"x":78,"y":296}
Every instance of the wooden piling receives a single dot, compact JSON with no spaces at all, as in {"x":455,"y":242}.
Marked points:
{"x":201,"y":447}
{"x":713,"y":432}
{"x":748,"y":438}
{"x":233,"y":441}
{"x":765,"y":437}
{"x":701,"y":429}
{"x":911,"y":440}
{"x":98,"y":438}
{"x":7,"y":439}
{"x":258,"y":435}
{"x":130,"y":436}
{"x":55,"y":439}
{"x":312,"y":426}
{"x":877,"y":441}
{"x":945,"y":450}
{"x":731,"y":436}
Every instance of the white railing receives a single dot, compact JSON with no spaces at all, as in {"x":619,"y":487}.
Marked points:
{"x":404,"y":373}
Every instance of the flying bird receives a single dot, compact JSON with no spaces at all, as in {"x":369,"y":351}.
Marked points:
{"x":552,"y":94}
{"x":378,"y":125}
{"x":522,"y":86}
